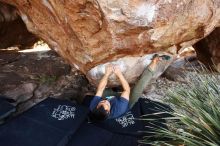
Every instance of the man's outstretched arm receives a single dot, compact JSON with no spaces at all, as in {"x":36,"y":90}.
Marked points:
{"x":103,"y":82}
{"x":124,"y":83}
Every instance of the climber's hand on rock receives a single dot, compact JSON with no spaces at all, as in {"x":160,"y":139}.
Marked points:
{"x":117,"y":70}
{"x":108,"y":70}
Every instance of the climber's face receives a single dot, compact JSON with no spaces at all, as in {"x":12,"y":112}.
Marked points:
{"x":105,"y":104}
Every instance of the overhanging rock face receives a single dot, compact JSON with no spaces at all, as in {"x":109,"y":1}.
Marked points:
{"x":131,"y":67}
{"x":88,"y":33}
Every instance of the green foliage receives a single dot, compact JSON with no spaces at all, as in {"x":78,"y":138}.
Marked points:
{"x":196,"y":115}
{"x":47,"y":79}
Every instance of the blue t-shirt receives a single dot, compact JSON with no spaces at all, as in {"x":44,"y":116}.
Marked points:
{"x":119,"y":105}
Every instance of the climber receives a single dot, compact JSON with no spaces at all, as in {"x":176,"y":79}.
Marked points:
{"x":113,"y":106}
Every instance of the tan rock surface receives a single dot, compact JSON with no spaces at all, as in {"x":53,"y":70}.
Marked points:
{"x":131,"y":67}
{"x":88,"y":33}
{"x":91,"y":32}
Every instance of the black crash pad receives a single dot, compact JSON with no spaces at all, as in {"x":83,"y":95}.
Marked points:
{"x":49,"y":123}
{"x":91,"y":135}
{"x":56,"y":122}
{"x":130,"y":123}
{"x":6,"y":108}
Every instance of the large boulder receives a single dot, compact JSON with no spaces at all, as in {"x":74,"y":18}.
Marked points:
{"x":131,"y":67}
{"x":91,"y":32}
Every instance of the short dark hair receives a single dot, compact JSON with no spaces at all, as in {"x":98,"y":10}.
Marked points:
{"x":99,"y":114}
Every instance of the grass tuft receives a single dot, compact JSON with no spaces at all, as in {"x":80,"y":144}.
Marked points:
{"x":196,"y":114}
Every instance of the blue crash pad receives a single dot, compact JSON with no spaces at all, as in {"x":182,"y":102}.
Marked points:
{"x":91,"y":135}
{"x":148,"y":108}
{"x":56,"y":122}
{"x":123,"y":140}
{"x":130,"y":124}
{"x":6,"y":108}
{"x":49,"y":123}
{"x":127,"y":124}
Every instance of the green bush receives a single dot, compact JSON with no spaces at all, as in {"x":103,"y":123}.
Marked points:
{"x":196,"y":114}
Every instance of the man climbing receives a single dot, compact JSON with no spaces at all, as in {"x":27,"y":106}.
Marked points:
{"x":112,"y":107}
